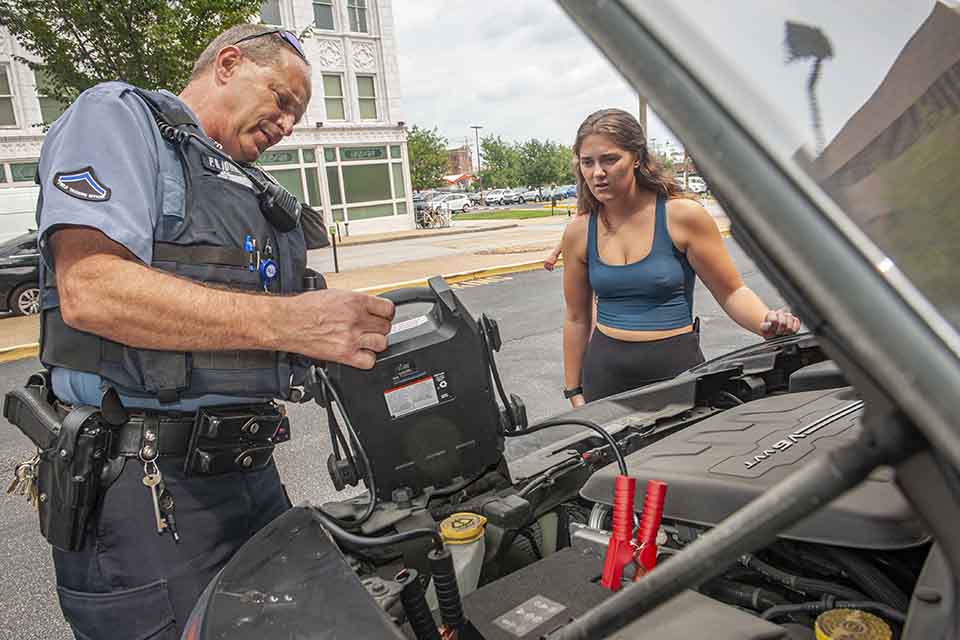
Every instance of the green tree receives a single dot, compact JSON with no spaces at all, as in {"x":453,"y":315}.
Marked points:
{"x":149,"y":43}
{"x":502,"y":163}
{"x":537,"y":162}
{"x":561,"y":163}
{"x":428,"y":157}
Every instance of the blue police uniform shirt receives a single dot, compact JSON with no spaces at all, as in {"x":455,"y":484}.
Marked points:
{"x":107,"y":144}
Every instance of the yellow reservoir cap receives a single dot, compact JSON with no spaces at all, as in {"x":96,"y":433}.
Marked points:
{"x":462,"y":528}
{"x":851,"y":624}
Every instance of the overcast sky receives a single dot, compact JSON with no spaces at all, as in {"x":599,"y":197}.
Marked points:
{"x":519,"y":68}
{"x":522,"y":69}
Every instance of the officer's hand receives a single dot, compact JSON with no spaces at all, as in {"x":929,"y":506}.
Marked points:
{"x":342,"y":326}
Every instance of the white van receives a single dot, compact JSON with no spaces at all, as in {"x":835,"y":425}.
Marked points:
{"x":18,"y":210}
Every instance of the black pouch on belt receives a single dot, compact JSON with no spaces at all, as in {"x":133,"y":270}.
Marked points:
{"x":227,"y":439}
{"x":72,"y":453}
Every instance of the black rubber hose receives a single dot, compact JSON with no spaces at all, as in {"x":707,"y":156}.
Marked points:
{"x":820,"y":607}
{"x":743,"y":595}
{"x":566,"y":422}
{"x":415,"y":605}
{"x":873,"y":581}
{"x":368,"y":470}
{"x":799,"y":583}
{"x":342,"y":535}
{"x":445,"y":584}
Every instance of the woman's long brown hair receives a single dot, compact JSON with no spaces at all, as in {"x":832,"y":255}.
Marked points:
{"x":629,"y":135}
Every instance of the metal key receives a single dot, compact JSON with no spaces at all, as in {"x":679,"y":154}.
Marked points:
{"x":167,"y":506}
{"x":151,"y":479}
{"x":16,"y":486}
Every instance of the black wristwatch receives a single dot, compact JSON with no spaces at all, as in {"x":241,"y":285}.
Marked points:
{"x":569,"y":393}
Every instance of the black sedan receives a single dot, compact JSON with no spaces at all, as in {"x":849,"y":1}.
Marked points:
{"x":19,"y":275}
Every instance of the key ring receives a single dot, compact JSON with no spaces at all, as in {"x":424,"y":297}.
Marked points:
{"x":148,"y":465}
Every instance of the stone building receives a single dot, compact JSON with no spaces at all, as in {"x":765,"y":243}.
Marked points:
{"x":348,"y":156}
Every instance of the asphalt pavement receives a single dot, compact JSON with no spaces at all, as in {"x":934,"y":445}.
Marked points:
{"x":529,"y":309}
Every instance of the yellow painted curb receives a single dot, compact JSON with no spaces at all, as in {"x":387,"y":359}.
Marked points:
{"x":462,"y":276}
{"x":20,"y":352}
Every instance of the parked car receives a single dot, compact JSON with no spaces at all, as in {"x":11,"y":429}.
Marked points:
{"x":532,"y":195}
{"x":452,"y":202}
{"x":20,"y":275}
{"x":494,"y":197}
{"x":696,"y":184}
{"x":476,"y":198}
{"x":512,"y":196}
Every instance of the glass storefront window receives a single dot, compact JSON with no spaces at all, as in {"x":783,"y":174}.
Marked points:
{"x":286,"y":156}
{"x":313,"y":186}
{"x":290,"y":180}
{"x":363,"y":153}
{"x":330,"y":154}
{"x":309,"y":155}
{"x":398,"y":185}
{"x":333,"y":180}
{"x":395,"y":151}
{"x":366,"y":182}
{"x":401,"y":208}
{"x":23,"y":171}
{"x":338,"y":215}
{"x":373,"y":211}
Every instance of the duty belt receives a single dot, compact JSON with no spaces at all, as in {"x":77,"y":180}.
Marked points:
{"x":212,"y":440}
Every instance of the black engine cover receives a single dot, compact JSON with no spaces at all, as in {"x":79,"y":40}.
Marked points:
{"x":720,"y":464}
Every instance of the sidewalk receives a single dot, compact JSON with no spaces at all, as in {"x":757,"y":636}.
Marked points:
{"x":493,"y":247}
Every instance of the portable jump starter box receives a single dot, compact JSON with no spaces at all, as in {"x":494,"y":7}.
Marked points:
{"x":426,"y":413}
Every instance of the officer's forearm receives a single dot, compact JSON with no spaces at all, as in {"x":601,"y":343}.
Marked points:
{"x":130,"y":303}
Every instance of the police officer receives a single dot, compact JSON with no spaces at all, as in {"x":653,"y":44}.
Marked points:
{"x":155,"y":234}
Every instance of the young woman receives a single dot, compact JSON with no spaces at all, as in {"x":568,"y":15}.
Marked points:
{"x":638,"y":250}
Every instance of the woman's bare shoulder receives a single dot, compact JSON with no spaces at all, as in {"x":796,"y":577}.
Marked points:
{"x":687,"y":219}
{"x":575,"y":234}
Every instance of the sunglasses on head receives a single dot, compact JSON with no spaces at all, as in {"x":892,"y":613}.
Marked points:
{"x":285,"y":35}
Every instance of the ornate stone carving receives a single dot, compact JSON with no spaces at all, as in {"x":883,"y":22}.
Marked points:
{"x":364,"y":56}
{"x":330,"y":53}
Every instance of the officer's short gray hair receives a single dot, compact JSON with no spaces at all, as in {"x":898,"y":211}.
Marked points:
{"x":263,"y":51}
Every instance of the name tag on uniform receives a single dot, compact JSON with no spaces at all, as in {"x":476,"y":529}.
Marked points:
{"x":223,"y":169}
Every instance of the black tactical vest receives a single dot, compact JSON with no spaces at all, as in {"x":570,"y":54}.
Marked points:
{"x":206,"y":245}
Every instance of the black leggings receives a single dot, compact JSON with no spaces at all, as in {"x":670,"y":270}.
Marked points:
{"x":611,"y":366}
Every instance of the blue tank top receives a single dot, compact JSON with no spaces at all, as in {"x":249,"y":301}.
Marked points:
{"x":652,"y":294}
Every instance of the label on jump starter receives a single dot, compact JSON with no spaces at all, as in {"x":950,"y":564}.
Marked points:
{"x":411,"y":323}
{"x":528,"y":616}
{"x":412,"y":396}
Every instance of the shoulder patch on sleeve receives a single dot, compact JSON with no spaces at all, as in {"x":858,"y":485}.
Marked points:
{"x":82,"y":184}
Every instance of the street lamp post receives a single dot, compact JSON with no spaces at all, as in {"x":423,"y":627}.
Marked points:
{"x":476,"y":129}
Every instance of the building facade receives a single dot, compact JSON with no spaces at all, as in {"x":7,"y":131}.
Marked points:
{"x":459,"y":160}
{"x":347,"y":157}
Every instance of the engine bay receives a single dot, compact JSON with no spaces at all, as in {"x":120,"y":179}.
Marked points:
{"x":521,"y":550}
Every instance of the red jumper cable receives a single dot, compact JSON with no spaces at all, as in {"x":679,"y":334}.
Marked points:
{"x":620,"y":547}
{"x":646,"y":554}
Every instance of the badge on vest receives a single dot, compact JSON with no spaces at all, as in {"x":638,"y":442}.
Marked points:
{"x":225,"y":170}
{"x":82,"y":184}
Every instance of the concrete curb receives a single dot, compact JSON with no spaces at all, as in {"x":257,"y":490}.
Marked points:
{"x":430,"y":234}
{"x":20,"y":352}
{"x":461,"y":276}
{"x":32,"y":350}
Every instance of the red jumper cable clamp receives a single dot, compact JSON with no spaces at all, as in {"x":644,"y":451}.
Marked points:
{"x":620,"y":547}
{"x":646,"y":545}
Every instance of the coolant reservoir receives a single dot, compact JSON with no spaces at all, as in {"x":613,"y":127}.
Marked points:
{"x":463,"y":534}
{"x":851,"y":624}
